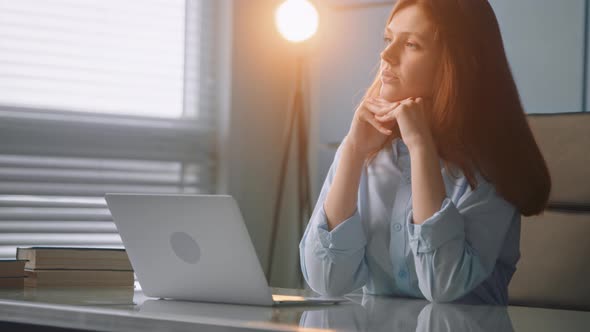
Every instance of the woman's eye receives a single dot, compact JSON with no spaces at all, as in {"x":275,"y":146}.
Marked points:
{"x":387,"y":40}
{"x":412,"y":45}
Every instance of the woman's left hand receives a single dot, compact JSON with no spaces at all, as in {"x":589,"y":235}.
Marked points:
{"x":409,"y":114}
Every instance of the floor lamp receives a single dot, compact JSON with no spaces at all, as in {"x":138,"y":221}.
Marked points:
{"x":297,"y":21}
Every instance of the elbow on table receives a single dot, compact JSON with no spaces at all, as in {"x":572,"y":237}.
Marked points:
{"x":443,"y":294}
{"x":328,"y":287}
{"x":331,"y":281}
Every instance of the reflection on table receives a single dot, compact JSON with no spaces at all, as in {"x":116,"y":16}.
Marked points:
{"x":387,"y":314}
{"x":117,"y":309}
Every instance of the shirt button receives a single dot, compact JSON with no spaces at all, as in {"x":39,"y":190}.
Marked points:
{"x":402,"y":274}
{"x":397,"y":227}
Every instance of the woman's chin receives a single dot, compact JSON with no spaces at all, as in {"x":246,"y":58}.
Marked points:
{"x":389,"y":94}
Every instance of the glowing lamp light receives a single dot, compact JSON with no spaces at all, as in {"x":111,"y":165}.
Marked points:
{"x":297,"y":20}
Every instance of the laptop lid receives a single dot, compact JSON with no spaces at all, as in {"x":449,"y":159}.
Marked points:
{"x":190,"y":247}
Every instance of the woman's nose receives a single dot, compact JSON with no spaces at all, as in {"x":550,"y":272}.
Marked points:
{"x":390,"y":54}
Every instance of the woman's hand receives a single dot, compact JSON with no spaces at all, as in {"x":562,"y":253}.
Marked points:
{"x":409,"y":114}
{"x":367,"y":134}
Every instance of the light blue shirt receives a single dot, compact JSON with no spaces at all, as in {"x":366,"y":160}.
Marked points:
{"x":466,"y":252}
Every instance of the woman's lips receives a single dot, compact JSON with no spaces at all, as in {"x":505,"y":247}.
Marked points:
{"x":388,"y":77}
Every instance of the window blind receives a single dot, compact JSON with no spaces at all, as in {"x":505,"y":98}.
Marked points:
{"x":99,"y":97}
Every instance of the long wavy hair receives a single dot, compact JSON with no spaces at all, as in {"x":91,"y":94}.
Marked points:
{"x":477,"y":119}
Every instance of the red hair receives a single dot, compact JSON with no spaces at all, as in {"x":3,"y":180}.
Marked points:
{"x":477,"y":119}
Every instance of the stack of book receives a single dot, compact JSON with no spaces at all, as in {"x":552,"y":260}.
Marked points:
{"x":12,"y":273}
{"x":84,"y":267}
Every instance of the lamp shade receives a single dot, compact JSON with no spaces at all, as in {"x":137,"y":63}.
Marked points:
{"x":297,"y":20}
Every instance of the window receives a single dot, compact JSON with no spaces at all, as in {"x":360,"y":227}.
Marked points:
{"x":100,"y":96}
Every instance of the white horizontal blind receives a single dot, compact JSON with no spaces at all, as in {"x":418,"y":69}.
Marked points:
{"x":105,"y":56}
{"x":96,"y":97}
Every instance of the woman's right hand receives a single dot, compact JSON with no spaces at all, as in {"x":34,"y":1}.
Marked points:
{"x":367,"y":135}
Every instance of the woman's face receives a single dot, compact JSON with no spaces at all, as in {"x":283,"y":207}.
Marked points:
{"x":409,"y":60}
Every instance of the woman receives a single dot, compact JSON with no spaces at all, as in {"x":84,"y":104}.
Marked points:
{"x":425,"y":193}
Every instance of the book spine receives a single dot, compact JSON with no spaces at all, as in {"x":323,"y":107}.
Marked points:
{"x":12,"y":282}
{"x":79,"y":278}
{"x":28,"y":255}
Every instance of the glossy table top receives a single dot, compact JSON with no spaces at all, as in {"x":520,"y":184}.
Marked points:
{"x":111,"y":309}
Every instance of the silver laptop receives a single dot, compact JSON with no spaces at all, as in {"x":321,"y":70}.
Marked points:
{"x":194,"y":247}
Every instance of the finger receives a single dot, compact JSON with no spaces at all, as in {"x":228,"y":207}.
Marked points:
{"x":407,"y":102}
{"x":381,"y":99}
{"x":421,"y":103}
{"x":380,"y":110}
{"x":381,"y":128}
{"x":376,"y":109}
{"x":392,"y":115}
{"x":382,"y":102}
{"x":378,"y":101}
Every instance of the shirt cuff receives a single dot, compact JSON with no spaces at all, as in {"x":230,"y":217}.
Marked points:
{"x":444,"y":225}
{"x":348,"y":235}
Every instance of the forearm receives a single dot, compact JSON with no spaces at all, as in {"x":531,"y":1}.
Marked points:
{"x":341,"y":201}
{"x":428,"y":190}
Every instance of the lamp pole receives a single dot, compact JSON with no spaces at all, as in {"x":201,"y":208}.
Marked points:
{"x":297,"y":20}
{"x":297,"y":119}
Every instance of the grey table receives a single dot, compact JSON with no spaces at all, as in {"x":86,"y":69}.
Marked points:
{"x":111,"y":309}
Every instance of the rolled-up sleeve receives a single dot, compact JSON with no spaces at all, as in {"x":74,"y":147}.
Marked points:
{"x":332,"y":262}
{"x":349,"y":235}
{"x":456,"y":249}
